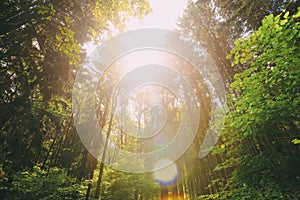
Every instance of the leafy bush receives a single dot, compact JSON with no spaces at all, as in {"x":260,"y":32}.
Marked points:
{"x":264,"y":115}
{"x":41,"y":185}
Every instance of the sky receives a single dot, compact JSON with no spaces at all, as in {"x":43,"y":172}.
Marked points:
{"x":165,"y":15}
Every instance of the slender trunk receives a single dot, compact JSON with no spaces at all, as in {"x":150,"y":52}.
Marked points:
{"x":163,"y":192}
{"x":88,"y":191}
{"x":93,"y":165}
{"x":175,"y":191}
{"x":97,"y":193}
{"x":136,"y":194}
{"x":48,"y":153}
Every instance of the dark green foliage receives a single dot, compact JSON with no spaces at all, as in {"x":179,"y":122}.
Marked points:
{"x":264,"y":117}
{"x":39,"y":184}
{"x":121,"y":185}
{"x":216,"y":24}
{"x":41,"y":47}
{"x":258,"y":156}
{"x":40,"y":50}
{"x":248,"y":14}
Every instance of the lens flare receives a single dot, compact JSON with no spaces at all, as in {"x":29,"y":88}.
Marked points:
{"x":165,"y":176}
{"x":121,"y":69}
{"x":160,"y":140}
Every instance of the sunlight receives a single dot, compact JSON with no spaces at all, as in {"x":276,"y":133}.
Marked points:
{"x":132,"y":70}
{"x":199,"y":99}
{"x":142,"y":103}
{"x":163,"y":16}
{"x":167,"y":175}
{"x":174,"y":197}
{"x":135,"y":59}
{"x":160,"y":140}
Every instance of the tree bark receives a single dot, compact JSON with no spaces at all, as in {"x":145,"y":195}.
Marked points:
{"x":97,"y":192}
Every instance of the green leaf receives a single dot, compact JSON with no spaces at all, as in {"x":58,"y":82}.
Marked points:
{"x":296,"y":141}
{"x":286,"y":15}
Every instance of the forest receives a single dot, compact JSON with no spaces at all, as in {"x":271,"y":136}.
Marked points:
{"x":254,"y":45}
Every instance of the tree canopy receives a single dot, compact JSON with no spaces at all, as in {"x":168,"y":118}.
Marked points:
{"x":264,"y":119}
{"x":255,"y":46}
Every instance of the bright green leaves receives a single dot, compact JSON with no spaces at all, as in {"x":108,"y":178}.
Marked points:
{"x":46,"y":9}
{"x":68,"y":45}
{"x":273,"y":33}
{"x":264,"y":109}
{"x":268,"y":84}
{"x":113,"y":14}
{"x":40,"y":184}
{"x":286,"y":15}
{"x":296,"y":141}
{"x":120,"y":185}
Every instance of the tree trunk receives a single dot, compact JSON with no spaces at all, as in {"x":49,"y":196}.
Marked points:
{"x":163,"y":192}
{"x":88,"y":191}
{"x":97,"y":193}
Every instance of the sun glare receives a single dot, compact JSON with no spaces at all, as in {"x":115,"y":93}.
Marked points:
{"x":163,"y":16}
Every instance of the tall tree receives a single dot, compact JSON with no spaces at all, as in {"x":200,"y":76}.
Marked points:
{"x":216,"y":24}
{"x":263,"y":118}
{"x":41,"y":47}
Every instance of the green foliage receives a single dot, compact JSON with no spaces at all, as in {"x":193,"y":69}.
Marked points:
{"x":248,"y":14}
{"x":244,"y":192}
{"x":40,"y":184}
{"x":41,"y":48}
{"x":264,"y":118}
{"x":121,"y":185}
{"x":216,"y":24}
{"x":43,"y":9}
{"x":296,"y":141}
{"x":268,"y":90}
